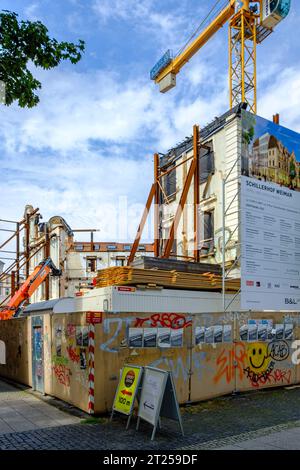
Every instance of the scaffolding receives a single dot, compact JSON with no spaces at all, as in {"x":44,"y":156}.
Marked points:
{"x":231,"y":222}
{"x":20,"y":256}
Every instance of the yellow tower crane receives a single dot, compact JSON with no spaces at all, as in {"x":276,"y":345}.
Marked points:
{"x":250,"y":23}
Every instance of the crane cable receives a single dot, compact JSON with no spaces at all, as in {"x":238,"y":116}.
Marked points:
{"x":201,"y":25}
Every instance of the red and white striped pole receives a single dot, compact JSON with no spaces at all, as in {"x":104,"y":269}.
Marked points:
{"x":91,"y":405}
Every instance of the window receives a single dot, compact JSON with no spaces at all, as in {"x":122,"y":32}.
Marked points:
{"x":208,"y":242}
{"x":142,"y":248}
{"x":91,"y":264}
{"x":127,"y":247}
{"x":79,"y":247}
{"x":96,"y":247}
{"x":169,"y":184}
{"x":120,"y":261}
{"x":111,"y":247}
{"x":207,"y":162}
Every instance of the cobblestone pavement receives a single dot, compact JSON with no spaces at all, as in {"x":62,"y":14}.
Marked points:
{"x":260,"y":419}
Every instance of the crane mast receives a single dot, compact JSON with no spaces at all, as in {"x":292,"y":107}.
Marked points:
{"x":250,"y":23}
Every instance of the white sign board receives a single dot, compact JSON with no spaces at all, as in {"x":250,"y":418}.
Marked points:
{"x":270,"y":244}
{"x":158,"y":398}
{"x":152,"y":393}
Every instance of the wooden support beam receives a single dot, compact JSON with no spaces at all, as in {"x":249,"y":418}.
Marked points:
{"x":142,"y":224}
{"x":182,"y":201}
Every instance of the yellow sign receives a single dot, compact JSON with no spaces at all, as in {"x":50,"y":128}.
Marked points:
{"x":127,"y":389}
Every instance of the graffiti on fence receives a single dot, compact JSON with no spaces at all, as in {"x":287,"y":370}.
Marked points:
{"x":229,"y":361}
{"x":270,"y":376}
{"x":262,"y":358}
{"x":181,"y":368}
{"x":73,"y":355}
{"x":60,"y":360}
{"x":108,"y":329}
{"x":175,"y":321}
{"x":62,"y":373}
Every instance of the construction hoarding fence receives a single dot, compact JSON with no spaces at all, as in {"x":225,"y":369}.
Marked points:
{"x":209,"y":354}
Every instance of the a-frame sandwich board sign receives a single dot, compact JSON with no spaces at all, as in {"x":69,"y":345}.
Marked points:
{"x":158,"y":398}
{"x":126,"y":394}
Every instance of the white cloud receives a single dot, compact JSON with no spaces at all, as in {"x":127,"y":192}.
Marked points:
{"x":31,"y":11}
{"x":169,"y":26}
{"x":282,"y":95}
{"x":77,"y":109}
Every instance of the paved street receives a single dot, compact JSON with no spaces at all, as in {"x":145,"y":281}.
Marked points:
{"x":21,"y":411}
{"x":288,"y":439}
{"x":258,"y":420}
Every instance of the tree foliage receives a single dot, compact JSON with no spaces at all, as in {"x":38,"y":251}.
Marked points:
{"x":23,"y":43}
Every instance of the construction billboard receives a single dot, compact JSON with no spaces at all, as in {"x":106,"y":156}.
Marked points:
{"x":270,"y":216}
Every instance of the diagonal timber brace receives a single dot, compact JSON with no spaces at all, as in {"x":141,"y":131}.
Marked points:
{"x":142,"y":224}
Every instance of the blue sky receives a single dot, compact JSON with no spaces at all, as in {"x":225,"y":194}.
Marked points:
{"x":89,"y":143}
{"x":289,"y":138}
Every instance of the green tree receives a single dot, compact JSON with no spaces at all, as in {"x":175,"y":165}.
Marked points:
{"x":248,"y":135}
{"x":23,"y":43}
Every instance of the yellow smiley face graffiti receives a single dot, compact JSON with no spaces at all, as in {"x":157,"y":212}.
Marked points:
{"x":258,"y":357}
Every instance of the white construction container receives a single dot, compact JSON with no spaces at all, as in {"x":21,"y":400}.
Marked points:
{"x":130,"y":299}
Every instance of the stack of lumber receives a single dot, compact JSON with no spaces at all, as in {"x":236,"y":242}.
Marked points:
{"x":130,"y":276}
{"x":170,"y":264}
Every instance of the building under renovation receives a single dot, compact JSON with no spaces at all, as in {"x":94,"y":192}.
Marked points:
{"x":197,"y":185}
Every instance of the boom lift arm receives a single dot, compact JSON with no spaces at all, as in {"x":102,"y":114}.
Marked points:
{"x":31,"y":284}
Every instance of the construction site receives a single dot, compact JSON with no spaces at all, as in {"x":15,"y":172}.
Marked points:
{"x":214,"y":298}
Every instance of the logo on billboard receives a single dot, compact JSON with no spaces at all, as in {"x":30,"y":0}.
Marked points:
{"x":258,"y":284}
{"x":250,"y":283}
{"x":290,"y":301}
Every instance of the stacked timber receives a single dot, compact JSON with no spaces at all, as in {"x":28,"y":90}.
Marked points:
{"x":149,"y":262}
{"x":130,"y":276}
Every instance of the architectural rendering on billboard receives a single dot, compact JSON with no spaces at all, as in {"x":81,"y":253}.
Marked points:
{"x":270,"y":152}
{"x":270,"y":216}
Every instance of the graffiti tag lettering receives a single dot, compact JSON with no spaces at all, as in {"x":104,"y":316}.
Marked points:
{"x":164,"y":320}
{"x":229,"y":361}
{"x":74,"y":357}
{"x":278,"y":350}
{"x":107,"y":330}
{"x":269,"y":376}
{"x":62,"y":373}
